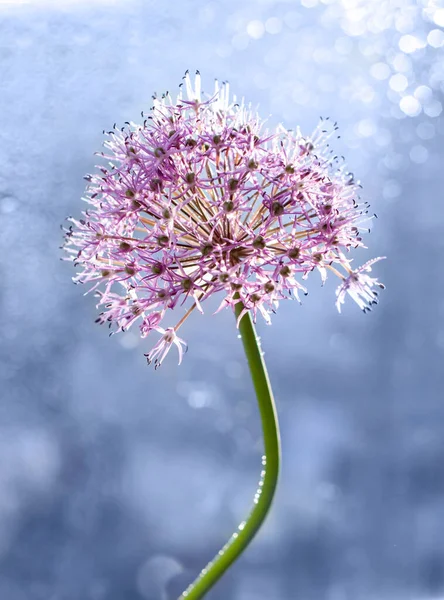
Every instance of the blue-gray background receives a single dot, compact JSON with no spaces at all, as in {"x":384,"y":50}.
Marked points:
{"x":118,"y":482}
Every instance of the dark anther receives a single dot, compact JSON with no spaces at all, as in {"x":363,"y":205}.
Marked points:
{"x":155,"y":184}
{"x":157,"y":268}
{"x":163,"y":240}
{"x":187,"y":284}
{"x":277,"y":209}
{"x":285,"y":271}
{"x":259,"y":243}
{"x":207,"y":249}
{"x":294,"y":253}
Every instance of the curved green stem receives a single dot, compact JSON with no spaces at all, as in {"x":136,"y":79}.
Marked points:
{"x":270,"y":461}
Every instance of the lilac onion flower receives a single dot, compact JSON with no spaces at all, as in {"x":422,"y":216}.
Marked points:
{"x":202,"y":199}
{"x":360,"y":287}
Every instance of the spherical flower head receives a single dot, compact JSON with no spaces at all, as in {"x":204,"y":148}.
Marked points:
{"x":202,"y":199}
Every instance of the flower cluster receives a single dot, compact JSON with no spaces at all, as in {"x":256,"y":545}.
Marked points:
{"x":202,"y":199}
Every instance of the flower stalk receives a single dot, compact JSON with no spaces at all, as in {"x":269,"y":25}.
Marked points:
{"x":270,"y":465}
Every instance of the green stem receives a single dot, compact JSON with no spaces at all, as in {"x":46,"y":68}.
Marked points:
{"x":269,"y":475}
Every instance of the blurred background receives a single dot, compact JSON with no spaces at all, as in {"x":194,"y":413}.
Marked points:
{"x":118,"y":482}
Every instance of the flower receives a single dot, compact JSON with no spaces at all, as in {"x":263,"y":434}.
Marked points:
{"x":202,"y":199}
{"x":360,"y":287}
{"x":163,"y":346}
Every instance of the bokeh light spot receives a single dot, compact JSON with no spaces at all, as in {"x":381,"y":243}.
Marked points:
{"x":255,"y":29}
{"x":398,"y":82}
{"x":435,"y":38}
{"x":409,"y":43}
{"x":410,"y":106}
{"x":438,"y":17}
{"x":433,"y":108}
